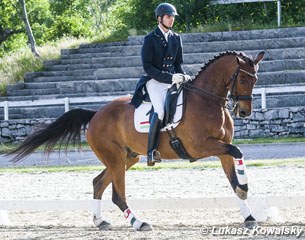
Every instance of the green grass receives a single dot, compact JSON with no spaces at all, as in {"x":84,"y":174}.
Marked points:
{"x":200,"y":165}
{"x":269,"y":140}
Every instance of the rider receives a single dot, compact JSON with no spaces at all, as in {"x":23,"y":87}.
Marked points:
{"x":162,"y":62}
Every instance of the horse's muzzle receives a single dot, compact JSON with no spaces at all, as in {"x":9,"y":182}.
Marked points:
{"x":242,"y":111}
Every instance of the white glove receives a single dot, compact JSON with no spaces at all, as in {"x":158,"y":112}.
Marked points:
{"x":187,"y":78}
{"x":177,"y":78}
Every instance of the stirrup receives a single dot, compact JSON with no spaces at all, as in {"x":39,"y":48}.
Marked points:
{"x":155,"y":158}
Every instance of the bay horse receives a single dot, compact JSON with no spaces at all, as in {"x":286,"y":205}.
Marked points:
{"x":206,"y":129}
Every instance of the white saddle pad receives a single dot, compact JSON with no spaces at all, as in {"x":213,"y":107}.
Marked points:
{"x":141,"y":116}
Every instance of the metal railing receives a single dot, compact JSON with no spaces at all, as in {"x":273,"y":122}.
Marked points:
{"x":67,"y":101}
{"x":264,"y":91}
{"x":60,"y":101}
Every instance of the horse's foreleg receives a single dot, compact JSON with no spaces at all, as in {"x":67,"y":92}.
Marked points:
{"x":233,"y":164}
{"x":237,"y":176}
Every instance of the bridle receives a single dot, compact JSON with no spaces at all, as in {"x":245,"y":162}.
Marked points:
{"x":222,"y":100}
{"x":234,"y":96}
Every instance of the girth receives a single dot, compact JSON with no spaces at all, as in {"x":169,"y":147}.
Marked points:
{"x":177,"y":145}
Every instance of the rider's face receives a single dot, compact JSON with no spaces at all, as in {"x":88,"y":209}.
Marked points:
{"x":168,"y":20}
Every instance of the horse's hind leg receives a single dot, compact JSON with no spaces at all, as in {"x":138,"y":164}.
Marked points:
{"x":102,"y":181}
{"x":239,"y":182}
{"x":119,"y":198}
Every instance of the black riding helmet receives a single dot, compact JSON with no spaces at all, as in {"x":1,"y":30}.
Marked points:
{"x":165,"y":9}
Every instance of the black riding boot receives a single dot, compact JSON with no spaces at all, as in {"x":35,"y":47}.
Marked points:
{"x":153,"y":155}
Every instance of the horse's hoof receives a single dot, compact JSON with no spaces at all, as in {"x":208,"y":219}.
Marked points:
{"x":146,"y":227}
{"x":250,"y":222}
{"x":104,"y":226}
{"x":241,"y":193}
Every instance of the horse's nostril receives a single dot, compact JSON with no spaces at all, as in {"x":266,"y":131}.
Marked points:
{"x":242,"y":113}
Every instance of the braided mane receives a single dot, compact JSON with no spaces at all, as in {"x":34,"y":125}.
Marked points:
{"x":227,"y":53}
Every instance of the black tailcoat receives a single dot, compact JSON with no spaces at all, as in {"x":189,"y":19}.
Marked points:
{"x":160,"y":60}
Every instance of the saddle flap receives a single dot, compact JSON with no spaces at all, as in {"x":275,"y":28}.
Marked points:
{"x":141,"y":118}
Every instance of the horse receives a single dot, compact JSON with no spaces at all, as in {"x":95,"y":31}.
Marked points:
{"x":206,"y":129}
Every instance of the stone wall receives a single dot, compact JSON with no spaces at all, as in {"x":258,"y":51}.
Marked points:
{"x":16,"y":130}
{"x":272,"y":123}
{"x":262,"y":123}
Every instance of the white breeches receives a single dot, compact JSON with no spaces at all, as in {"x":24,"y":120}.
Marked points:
{"x":157,"y":93}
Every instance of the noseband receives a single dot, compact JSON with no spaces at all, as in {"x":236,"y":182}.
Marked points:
{"x":234,"y":96}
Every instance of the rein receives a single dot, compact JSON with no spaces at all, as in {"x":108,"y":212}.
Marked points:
{"x":222,"y":100}
{"x":202,"y":92}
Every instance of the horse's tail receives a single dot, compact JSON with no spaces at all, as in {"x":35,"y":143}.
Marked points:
{"x":66,"y":129}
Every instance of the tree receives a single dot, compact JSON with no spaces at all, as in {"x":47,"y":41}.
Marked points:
{"x":28,"y":28}
{"x":53,"y":19}
{"x":8,"y":21}
{"x":5,"y":33}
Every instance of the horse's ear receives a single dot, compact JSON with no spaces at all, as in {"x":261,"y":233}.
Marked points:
{"x":259,"y":57}
{"x":239,"y":60}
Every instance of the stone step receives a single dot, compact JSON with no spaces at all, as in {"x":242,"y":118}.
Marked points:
{"x":60,"y":78}
{"x":35,"y":91}
{"x":135,"y":72}
{"x":57,"y":96}
{"x":66,"y":72}
{"x":79,"y":87}
{"x":195,"y":47}
{"x":134,"y":61}
{"x":208,"y":37}
{"x":238,"y":35}
{"x":281,"y":77}
{"x":265,"y":78}
{"x":285,"y":64}
{"x":126,"y":82}
{"x":22,"y":85}
{"x":51,"y":62}
{"x":264,"y":66}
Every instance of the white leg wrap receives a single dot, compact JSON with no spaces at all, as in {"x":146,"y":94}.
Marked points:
{"x":97,"y":212}
{"x":241,"y":171}
{"x":245,"y":209}
{"x":132,"y":219}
